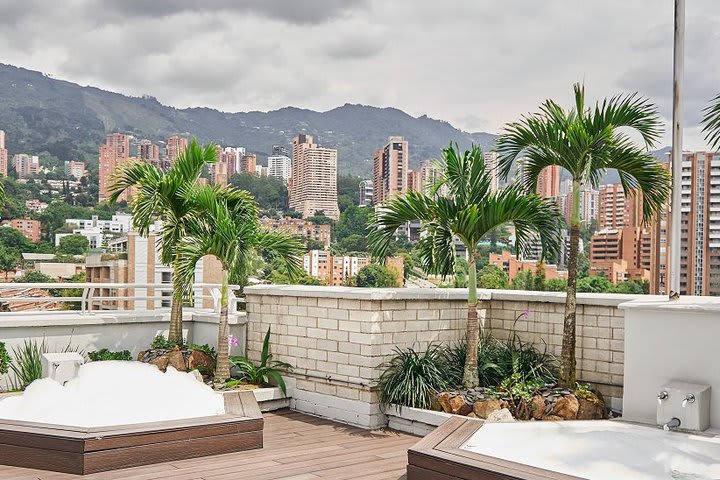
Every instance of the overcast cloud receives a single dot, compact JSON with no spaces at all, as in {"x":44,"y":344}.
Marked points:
{"x":475,"y":63}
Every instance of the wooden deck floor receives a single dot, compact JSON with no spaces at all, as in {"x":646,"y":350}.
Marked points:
{"x":297,"y":447}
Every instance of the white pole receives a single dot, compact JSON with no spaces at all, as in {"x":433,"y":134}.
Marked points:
{"x":676,"y":156}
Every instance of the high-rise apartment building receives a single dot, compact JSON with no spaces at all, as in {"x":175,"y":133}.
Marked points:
{"x":280,"y":166}
{"x":114,"y":153}
{"x":313,"y":184}
{"x":366,"y":193}
{"x":26,"y":166}
{"x":431,"y":173}
{"x":622,"y":254}
{"x":27,"y":226}
{"x":280,"y":150}
{"x":175,"y":146}
{"x":3,"y":155}
{"x":548,"y":184}
{"x":589,"y":205}
{"x":248,"y":164}
{"x":337,"y":270}
{"x":149,"y":152}
{"x":414,"y":181}
{"x":390,"y":167}
{"x":75,"y":169}
{"x":491,"y":165}
{"x":616,"y":210}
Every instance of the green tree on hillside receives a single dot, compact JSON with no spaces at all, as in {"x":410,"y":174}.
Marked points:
{"x":73,"y":245}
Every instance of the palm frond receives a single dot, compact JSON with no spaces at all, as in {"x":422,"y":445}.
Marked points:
{"x":711,"y":122}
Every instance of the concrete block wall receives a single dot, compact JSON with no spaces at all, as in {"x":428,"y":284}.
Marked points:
{"x":336,"y":337}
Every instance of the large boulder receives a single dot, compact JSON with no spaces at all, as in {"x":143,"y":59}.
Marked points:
{"x":459,"y":406}
{"x":483,"y":408}
{"x":444,"y":401}
{"x":537,"y":407}
{"x":500,"y":416}
{"x":198,"y":358}
{"x":566,"y":407}
{"x":591,"y":406}
{"x":177,"y":360}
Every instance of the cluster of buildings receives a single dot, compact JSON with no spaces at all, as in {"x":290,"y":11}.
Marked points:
{"x":337,"y":270}
{"x":307,"y":230}
{"x":28,"y":166}
{"x":119,"y":147}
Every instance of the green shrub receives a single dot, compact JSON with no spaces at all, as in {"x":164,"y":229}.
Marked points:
{"x":411,"y":378}
{"x":489,"y":354}
{"x":105,"y":354}
{"x":4,"y":359}
{"x":163,"y":343}
{"x":268,"y":370}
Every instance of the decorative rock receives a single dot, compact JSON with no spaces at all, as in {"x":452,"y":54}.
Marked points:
{"x":566,"y":408}
{"x":590,"y":410}
{"x":537,"y":407}
{"x":176,"y":360}
{"x":198,"y":358}
{"x":458,"y":406}
{"x":198,"y":376}
{"x":500,"y":416}
{"x":483,"y":408}
{"x":444,"y":401}
{"x":160,"y":362}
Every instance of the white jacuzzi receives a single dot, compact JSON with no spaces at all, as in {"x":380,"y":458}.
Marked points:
{"x":596,"y":450}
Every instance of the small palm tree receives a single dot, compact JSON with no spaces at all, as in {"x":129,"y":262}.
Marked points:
{"x":711,"y":122}
{"x":586,"y":142}
{"x":467,"y":211}
{"x":159,"y":195}
{"x":225,"y":224}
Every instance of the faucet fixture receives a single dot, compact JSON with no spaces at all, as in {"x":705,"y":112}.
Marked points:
{"x":689,"y":398}
{"x":662,"y":396}
{"x":672,"y":424}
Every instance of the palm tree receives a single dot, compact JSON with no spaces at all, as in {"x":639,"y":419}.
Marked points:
{"x":586,"y":142}
{"x":159,"y":195}
{"x":467,"y":211}
{"x":711,"y":122}
{"x":225,"y":224}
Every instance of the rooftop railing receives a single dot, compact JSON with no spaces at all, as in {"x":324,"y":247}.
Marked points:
{"x":96,"y":297}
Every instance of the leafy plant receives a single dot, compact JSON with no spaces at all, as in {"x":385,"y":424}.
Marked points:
{"x":105,"y":354}
{"x":489,"y":354}
{"x":4,"y":359}
{"x":411,"y":378}
{"x":268,"y":370}
{"x":161,"y":342}
{"x":526,"y":360}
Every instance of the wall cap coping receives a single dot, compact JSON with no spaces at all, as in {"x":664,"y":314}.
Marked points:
{"x":355,"y":293}
{"x":685,"y":304}
{"x":107,"y":317}
{"x":428,"y":417}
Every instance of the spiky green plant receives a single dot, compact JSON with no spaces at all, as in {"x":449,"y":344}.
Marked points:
{"x":27,"y":361}
{"x":267,"y":371}
{"x":411,"y":378}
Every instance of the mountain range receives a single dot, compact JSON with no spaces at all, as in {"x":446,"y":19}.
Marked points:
{"x":69,"y":121}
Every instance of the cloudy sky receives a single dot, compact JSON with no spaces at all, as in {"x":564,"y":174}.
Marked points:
{"x":475,"y":63}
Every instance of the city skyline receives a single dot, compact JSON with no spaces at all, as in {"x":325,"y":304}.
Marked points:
{"x":623,"y":58}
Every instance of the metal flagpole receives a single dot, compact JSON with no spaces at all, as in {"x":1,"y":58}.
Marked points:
{"x":676,"y":155}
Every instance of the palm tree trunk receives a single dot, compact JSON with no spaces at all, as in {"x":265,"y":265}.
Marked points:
{"x":567,"y":359}
{"x":176,"y":315}
{"x":470,"y":375}
{"x":222,"y":363}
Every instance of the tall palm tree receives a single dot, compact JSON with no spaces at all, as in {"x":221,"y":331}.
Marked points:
{"x":586,"y":142}
{"x":711,"y":122}
{"x":467,"y":211}
{"x":160,"y":195}
{"x":225,"y":225}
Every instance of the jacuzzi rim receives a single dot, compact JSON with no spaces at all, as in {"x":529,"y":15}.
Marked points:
{"x":441,"y":452}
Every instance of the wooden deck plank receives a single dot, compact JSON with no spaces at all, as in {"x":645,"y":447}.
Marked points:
{"x":297,"y":447}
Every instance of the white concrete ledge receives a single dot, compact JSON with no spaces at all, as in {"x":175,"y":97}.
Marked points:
{"x":685,"y":304}
{"x":416,"y":421}
{"x":109,"y":317}
{"x":354,"y":293}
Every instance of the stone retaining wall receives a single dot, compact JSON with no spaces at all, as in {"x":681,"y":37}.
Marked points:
{"x":337,"y":336}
